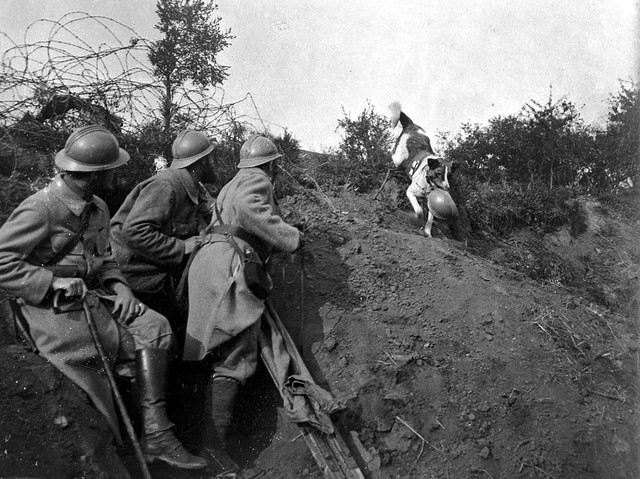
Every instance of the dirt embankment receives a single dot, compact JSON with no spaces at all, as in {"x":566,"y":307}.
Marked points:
{"x":496,"y":359}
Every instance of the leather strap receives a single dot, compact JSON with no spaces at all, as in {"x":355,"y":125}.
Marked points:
{"x":256,"y":243}
{"x":75,"y":239}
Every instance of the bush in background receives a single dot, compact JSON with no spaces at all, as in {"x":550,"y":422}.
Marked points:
{"x":619,"y":144}
{"x":520,"y":170}
{"x":543,"y":144}
{"x":501,"y":209}
{"x":291,"y":174}
{"x":364,"y":153}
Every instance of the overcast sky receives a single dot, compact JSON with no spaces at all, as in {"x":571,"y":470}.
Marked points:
{"x":447,"y":61}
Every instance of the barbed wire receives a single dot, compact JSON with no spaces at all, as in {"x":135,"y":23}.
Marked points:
{"x":108,"y":71}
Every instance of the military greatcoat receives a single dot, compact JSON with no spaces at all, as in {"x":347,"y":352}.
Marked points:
{"x":221,"y":307}
{"x":149,"y":229}
{"x":37,"y":231}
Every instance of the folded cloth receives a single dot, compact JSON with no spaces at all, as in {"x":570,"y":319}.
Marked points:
{"x":304,"y":401}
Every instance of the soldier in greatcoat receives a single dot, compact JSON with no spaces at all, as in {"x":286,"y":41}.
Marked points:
{"x":226,"y":302}
{"x":57,"y":240}
{"x":158,"y":225}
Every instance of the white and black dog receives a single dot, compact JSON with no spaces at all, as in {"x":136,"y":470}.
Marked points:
{"x":428,"y":171}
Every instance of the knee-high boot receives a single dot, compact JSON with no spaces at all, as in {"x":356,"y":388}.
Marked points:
{"x":158,"y":441}
{"x":221,"y":396}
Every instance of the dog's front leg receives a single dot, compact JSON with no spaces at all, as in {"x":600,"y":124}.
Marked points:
{"x":427,"y":226}
{"x":416,"y":207}
{"x":445,"y":183}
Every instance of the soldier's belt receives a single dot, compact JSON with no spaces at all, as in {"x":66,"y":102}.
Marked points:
{"x":67,"y":270}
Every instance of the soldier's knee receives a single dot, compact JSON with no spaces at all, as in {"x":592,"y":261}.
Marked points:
{"x":152,"y":329}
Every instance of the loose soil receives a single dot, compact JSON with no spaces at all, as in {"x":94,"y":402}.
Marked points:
{"x":488,"y":358}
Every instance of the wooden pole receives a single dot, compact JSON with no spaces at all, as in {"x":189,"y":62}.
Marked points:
{"x":116,"y":394}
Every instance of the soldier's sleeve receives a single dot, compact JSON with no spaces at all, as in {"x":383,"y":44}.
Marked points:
{"x":257,"y":215}
{"x":109,"y":270}
{"x":143,"y":227}
{"x":205,"y":207}
{"x":26,"y":228}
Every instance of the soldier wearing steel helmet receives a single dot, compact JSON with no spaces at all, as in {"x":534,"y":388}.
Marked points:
{"x":157,"y":227}
{"x":225,"y":304}
{"x":58,"y":240}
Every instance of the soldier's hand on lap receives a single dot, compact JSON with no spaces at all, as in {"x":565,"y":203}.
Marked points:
{"x":71,"y":286}
{"x":125,"y":305}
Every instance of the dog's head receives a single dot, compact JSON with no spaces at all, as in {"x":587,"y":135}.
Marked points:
{"x":439,"y":172}
{"x":412,"y":140}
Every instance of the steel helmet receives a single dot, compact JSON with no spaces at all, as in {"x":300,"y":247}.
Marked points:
{"x":257,"y":150}
{"x":441,"y":205}
{"x":91,"y":148}
{"x":188,"y":147}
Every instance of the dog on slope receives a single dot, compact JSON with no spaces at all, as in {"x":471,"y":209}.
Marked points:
{"x":428,"y":171}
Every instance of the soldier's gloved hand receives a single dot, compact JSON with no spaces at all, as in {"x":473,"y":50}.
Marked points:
{"x":190,"y":244}
{"x":70,"y":286}
{"x":126,"y":306}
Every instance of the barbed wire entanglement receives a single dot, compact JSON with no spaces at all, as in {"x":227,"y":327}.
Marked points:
{"x":70,"y":78}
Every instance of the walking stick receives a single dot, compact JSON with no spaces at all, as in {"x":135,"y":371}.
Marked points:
{"x":114,"y":389}
{"x":112,"y":383}
{"x":301,"y":254}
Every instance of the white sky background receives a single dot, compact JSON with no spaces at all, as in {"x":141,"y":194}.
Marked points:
{"x":447,"y":61}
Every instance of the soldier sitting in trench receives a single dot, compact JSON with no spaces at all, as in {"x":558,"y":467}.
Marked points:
{"x":57,"y":240}
{"x":157,"y":227}
{"x":153,"y":234}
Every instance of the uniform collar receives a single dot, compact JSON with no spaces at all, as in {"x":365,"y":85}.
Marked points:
{"x":253,"y":170}
{"x":71,"y":198}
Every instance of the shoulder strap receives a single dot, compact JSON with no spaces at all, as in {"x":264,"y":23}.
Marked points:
{"x":75,"y":239}
{"x":236,"y":231}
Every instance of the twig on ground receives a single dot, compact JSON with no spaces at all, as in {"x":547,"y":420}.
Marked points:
{"x":323,"y":194}
{"x":526,"y":441}
{"x":541,"y":327}
{"x":389,"y":170}
{"x":544,"y":472}
{"x":382,"y":362}
{"x":614,"y":335}
{"x":605,"y":395}
{"x":305,"y":190}
{"x":417,"y":458}
{"x":389,"y":356}
{"x":418,"y":434}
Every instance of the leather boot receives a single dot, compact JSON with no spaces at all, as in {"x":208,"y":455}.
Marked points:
{"x":221,"y":396}
{"x":191,"y":380}
{"x":158,"y":441}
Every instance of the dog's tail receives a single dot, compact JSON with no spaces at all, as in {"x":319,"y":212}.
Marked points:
{"x":397,"y":115}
